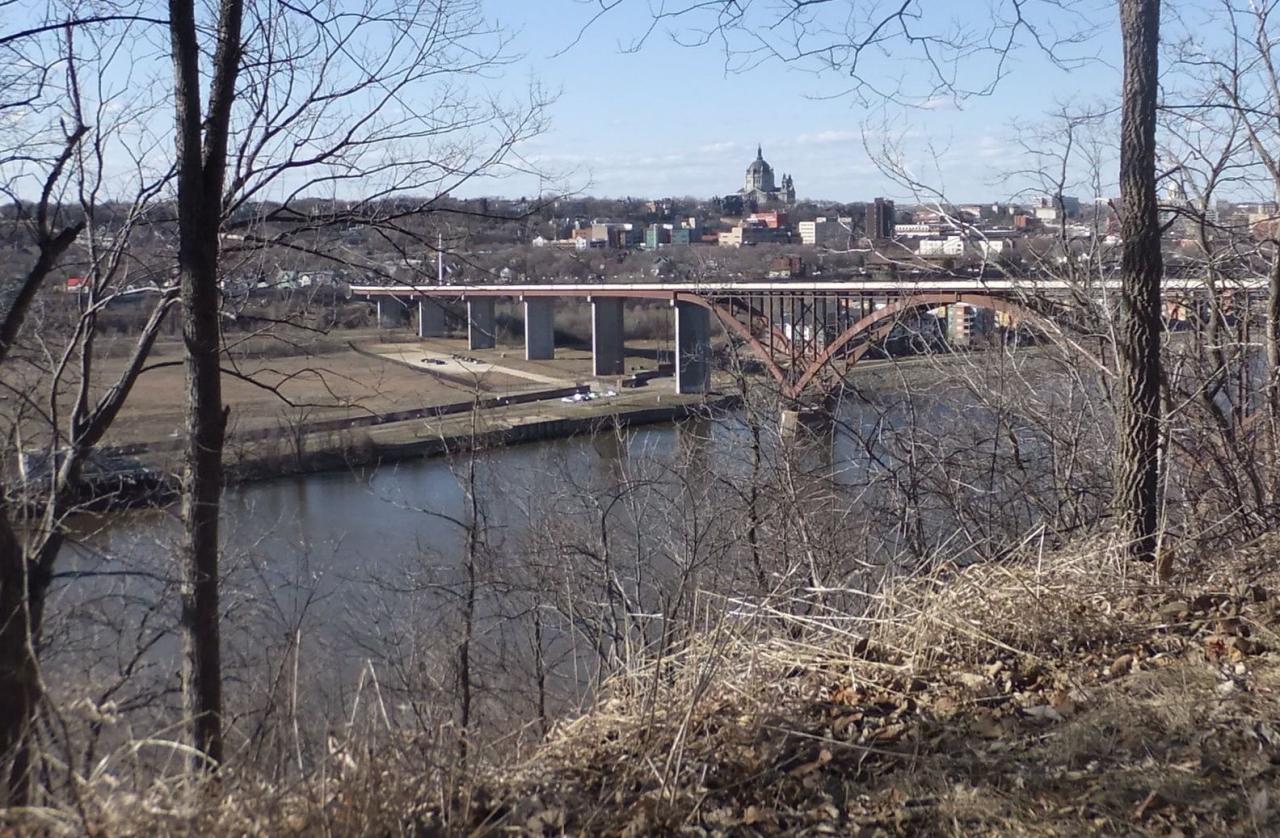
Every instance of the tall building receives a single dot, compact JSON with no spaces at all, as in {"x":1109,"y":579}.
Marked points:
{"x":759,"y":187}
{"x":880,"y":219}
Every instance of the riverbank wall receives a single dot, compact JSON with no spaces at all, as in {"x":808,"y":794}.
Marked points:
{"x":418,"y":440}
{"x":141,"y":475}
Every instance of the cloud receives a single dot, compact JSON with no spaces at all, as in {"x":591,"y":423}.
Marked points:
{"x":991,"y":148}
{"x":722,"y":147}
{"x":828,"y":138}
{"x":939,"y":103}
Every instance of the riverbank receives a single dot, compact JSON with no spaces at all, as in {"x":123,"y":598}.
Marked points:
{"x":146,"y":474}
{"x":358,"y":398}
{"x":557,"y":416}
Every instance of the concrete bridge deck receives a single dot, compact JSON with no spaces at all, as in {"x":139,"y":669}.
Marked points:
{"x":668,"y":290}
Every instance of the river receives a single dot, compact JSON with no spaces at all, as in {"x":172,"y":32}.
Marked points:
{"x":333,"y":579}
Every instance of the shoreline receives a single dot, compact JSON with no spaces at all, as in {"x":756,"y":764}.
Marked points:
{"x":413,"y":441}
{"x":152,"y":476}
{"x":146,"y":474}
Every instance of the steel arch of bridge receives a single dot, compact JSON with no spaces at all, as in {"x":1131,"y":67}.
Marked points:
{"x":850,"y":344}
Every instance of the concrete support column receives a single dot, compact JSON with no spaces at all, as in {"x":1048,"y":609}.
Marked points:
{"x":789,"y":424}
{"x":608,"y":356}
{"x":430,"y":318}
{"x":392,"y":314}
{"x":481,"y":333}
{"x":539,"y":328}
{"x":693,"y":348}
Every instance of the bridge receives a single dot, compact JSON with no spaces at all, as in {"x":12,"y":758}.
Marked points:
{"x":805,"y":334}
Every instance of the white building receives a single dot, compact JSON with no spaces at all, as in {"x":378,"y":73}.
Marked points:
{"x":950,"y":246}
{"x":987,"y":248}
{"x":997,"y":247}
{"x":915,"y":231}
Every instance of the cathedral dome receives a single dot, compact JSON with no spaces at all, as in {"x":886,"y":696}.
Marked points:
{"x":758,"y":166}
{"x":759,"y":187}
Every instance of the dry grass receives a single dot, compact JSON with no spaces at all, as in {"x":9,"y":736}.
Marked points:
{"x":1055,"y":695}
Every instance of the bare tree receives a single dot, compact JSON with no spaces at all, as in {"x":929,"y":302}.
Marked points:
{"x":53,"y":170}
{"x":201,"y":137}
{"x":1241,"y":78}
{"x":313,"y":124}
{"x":290,"y":124}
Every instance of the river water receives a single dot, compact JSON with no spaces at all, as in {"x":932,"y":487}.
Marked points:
{"x":331,"y":578}
{"x":353,"y":563}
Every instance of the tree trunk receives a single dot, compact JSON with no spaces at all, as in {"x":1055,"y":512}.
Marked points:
{"x":21,"y":598}
{"x":201,"y":502}
{"x":1273,"y":349}
{"x":1138,"y":334}
{"x":23,"y":584}
{"x":201,"y":174}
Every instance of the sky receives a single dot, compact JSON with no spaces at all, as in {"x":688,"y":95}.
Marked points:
{"x":671,"y":120}
{"x":666,"y":120}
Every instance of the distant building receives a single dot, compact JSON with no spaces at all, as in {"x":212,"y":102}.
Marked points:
{"x":564,"y":244}
{"x":759,"y":188}
{"x":749,"y":232}
{"x":965,"y":323}
{"x":773,"y":219}
{"x":581,"y":237}
{"x":661,"y":207}
{"x":990,"y":247}
{"x":953,"y":246}
{"x":881,"y":219}
{"x":934,"y":248}
{"x":287,"y":279}
{"x":1050,"y":208}
{"x":663,"y":235}
{"x":656,"y":235}
{"x":915,"y":231}
{"x":786,"y":267}
{"x":828,"y":232}
{"x":616,"y":234}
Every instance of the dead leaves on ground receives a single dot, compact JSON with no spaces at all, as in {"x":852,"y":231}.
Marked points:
{"x":1166,"y":725}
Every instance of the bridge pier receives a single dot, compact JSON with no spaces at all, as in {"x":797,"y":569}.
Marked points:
{"x":693,"y":348}
{"x":430,"y":318}
{"x":608,"y":355}
{"x":798,"y":421}
{"x":392,"y":313}
{"x":789,"y":424}
{"x":481,"y":333}
{"x":539,"y":328}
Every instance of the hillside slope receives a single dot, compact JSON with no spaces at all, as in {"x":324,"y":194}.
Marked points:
{"x":1065,"y":698}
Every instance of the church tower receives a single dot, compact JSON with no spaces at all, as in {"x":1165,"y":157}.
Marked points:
{"x":759,"y":177}
{"x":759,"y":189}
